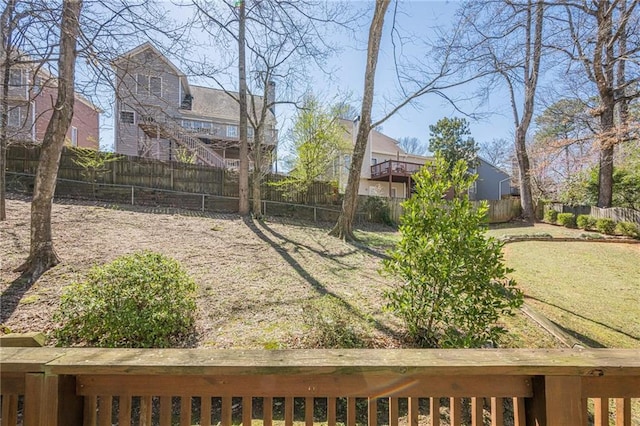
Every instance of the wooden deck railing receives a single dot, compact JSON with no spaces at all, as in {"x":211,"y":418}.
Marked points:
{"x":49,"y":386}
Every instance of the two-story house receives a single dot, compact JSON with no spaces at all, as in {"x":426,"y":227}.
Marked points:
{"x":32,"y":96}
{"x":386,"y":167}
{"x":158,"y":113}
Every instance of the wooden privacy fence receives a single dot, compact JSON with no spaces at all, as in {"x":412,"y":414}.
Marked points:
{"x":168,"y":175}
{"x":617,"y":213}
{"x":499,"y":210}
{"x":55,"y":386}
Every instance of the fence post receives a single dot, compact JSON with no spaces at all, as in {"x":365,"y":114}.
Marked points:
{"x":132,"y":199}
{"x":315,"y":214}
{"x":202,"y":202}
{"x":264,"y":207}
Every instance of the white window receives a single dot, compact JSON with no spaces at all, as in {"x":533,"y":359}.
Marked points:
{"x":74,"y":136}
{"x":250,"y":131}
{"x":155,"y":83}
{"x":15,"y":77}
{"x":14,"y":118}
{"x":127,"y":117}
{"x":374,"y":161}
{"x":232,"y":131}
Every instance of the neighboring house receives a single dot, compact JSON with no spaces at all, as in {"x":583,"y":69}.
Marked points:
{"x":32,"y":96}
{"x":386,"y":168}
{"x":492,"y":183}
{"x":158,"y":114}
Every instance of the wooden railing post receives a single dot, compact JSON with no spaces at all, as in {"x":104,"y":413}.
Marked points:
{"x":564,"y":403}
{"x":535,"y":407}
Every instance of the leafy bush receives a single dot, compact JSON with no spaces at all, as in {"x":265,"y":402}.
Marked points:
{"x":629,"y":229}
{"x":378,"y":210}
{"x":454,"y":280}
{"x":139,"y":300}
{"x":550,"y":216}
{"x":585,"y":221}
{"x":334,"y":325}
{"x":606,"y":226}
{"x":567,"y":220}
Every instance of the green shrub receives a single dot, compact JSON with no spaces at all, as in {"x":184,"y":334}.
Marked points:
{"x":332,"y":324}
{"x":550,"y":216}
{"x":606,"y":226}
{"x":378,"y":210}
{"x":567,"y":220}
{"x":629,"y":229}
{"x":455,"y":285}
{"x":586,"y":222}
{"x":139,"y":300}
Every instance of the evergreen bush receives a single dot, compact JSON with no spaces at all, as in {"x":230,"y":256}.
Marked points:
{"x":140,"y":300}
{"x":567,"y":220}
{"x":606,"y":226}
{"x":455,"y":285}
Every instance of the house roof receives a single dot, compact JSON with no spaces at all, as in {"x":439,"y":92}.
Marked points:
{"x":148,"y":46}
{"x":493,"y":166}
{"x":216,"y":104}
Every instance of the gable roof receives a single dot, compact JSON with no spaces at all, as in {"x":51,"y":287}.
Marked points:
{"x":148,"y":46}
{"x":217,"y":103}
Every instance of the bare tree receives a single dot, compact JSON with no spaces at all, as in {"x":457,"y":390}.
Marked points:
{"x":604,"y":41}
{"x":42,"y":255}
{"x":505,"y":38}
{"x":344,"y":226}
{"x":413,"y":145}
{"x":497,"y":152}
{"x":282,"y":40}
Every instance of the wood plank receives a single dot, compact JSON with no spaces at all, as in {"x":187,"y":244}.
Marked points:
{"x":372,"y":412}
{"x":12,"y":383}
{"x":34,"y":399}
{"x":185,"y":410}
{"x":247,"y":410}
{"x":308,"y":411}
{"x":288,"y":411}
{"x":564,"y":401}
{"x":394,"y":412}
{"x":434,"y":411}
{"x":124,"y":410}
{"x":477,"y":411}
{"x":105,"y":410}
{"x":455,"y":411}
{"x":22,"y":340}
{"x":601,"y":412}
{"x":145,"y":411}
{"x":519,"y":412}
{"x":267,"y":411}
{"x":9,"y":409}
{"x":28,"y":360}
{"x":623,"y":412}
{"x":205,"y":411}
{"x":165,"y":410}
{"x":611,"y":387}
{"x":90,"y":416}
{"x":497,"y":411}
{"x":351,"y":412}
{"x":331,"y":411}
{"x":306,"y":385}
{"x":412,"y":415}
{"x":401,"y":362}
{"x":226,"y":411}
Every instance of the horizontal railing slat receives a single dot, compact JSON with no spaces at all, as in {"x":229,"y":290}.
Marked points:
{"x":307,"y":385}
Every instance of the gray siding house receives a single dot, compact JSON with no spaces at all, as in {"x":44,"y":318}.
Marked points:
{"x":158,"y":114}
{"x":492,"y":183}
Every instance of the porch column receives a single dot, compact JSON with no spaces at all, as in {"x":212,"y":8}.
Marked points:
{"x":408,"y":195}
{"x":390,"y":181}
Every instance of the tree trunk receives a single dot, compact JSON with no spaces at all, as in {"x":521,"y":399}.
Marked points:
{"x":344,"y":226}
{"x":243,"y":177}
{"x":607,"y":142}
{"x":256,"y":182}
{"x":7,"y":32}
{"x":42,"y":255}
{"x":526,"y":198}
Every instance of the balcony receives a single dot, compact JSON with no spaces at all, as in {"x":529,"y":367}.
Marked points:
{"x":94,"y":386}
{"x":394,"y":171}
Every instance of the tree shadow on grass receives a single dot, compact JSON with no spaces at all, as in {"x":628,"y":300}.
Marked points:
{"x":313,"y":282}
{"x":12,"y":295}
{"x":617,"y":330}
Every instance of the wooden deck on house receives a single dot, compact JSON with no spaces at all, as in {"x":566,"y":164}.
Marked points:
{"x":61,"y":386}
{"x":394,"y":171}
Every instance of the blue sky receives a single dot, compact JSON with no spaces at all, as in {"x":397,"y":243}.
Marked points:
{"x":416,"y":20}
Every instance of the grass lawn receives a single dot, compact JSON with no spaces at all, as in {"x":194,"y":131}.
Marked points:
{"x":507,"y":229}
{"x":590,"y":289}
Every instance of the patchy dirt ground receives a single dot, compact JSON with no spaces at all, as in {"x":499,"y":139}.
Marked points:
{"x":253,"y":277}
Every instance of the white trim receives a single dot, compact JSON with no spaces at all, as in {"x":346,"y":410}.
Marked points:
{"x":74,"y":136}
{"x":33,"y":121}
{"x":179,"y":92}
